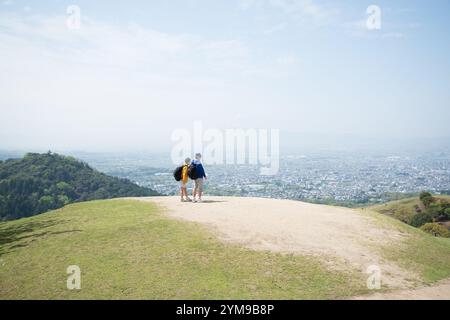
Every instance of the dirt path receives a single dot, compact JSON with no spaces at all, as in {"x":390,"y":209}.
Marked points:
{"x":342,"y":237}
{"x":439,"y":291}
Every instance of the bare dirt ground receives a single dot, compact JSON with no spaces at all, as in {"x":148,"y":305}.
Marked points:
{"x":439,"y":291}
{"x":341,"y":237}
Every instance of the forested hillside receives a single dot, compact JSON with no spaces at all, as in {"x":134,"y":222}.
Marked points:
{"x":41,"y":182}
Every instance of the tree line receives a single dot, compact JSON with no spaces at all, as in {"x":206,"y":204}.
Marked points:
{"x":38,"y":183}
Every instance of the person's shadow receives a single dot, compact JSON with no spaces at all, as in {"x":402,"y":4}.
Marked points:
{"x":212,"y":201}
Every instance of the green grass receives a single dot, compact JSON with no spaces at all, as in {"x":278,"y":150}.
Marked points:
{"x":129,"y":250}
{"x":421,"y":253}
{"x":427,"y":255}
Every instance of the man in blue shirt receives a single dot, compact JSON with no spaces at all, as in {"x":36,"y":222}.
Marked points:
{"x":200,"y":171}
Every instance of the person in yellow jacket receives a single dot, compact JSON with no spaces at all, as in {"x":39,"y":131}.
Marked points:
{"x":184,"y":180}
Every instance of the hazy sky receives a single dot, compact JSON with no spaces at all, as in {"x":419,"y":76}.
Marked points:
{"x":137,"y":70}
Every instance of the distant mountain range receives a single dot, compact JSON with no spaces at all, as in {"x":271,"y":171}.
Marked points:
{"x":37,"y":183}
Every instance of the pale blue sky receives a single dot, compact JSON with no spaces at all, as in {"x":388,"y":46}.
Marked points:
{"x":137,"y":70}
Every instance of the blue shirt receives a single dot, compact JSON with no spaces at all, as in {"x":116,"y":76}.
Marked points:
{"x":199,"y":169}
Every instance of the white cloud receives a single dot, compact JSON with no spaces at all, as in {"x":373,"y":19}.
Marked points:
{"x":288,"y":60}
{"x":389,"y":28}
{"x":395,"y":35}
{"x":97,"y":44}
{"x":359,"y":29}
{"x":246,"y":4}
{"x":306,"y":11}
{"x":275,"y":28}
{"x":101,"y":81}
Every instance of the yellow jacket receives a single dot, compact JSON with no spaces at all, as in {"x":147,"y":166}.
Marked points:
{"x":184,"y":174}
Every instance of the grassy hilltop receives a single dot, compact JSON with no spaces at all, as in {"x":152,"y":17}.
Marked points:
{"x":129,"y":249}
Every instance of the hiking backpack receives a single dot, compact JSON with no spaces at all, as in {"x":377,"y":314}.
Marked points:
{"x":177,"y":173}
{"x":192,"y":171}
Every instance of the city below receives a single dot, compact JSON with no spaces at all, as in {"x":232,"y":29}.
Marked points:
{"x":341,"y":178}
